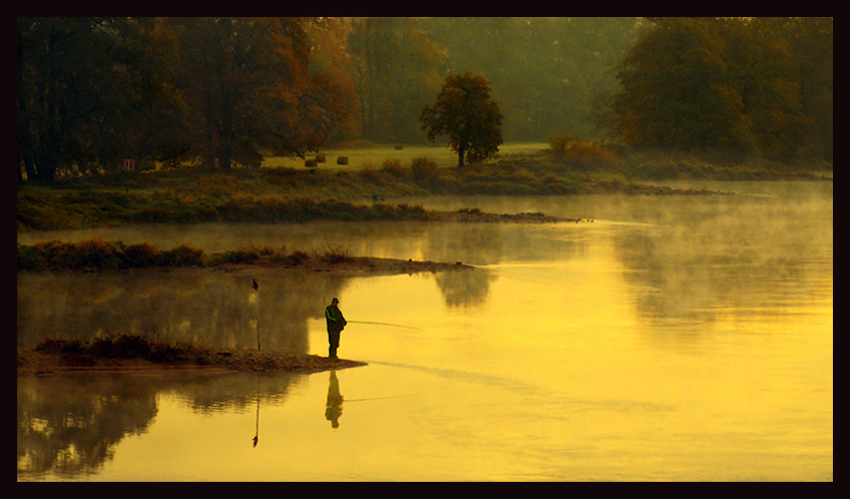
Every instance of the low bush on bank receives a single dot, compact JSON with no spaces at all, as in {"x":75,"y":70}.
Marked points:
{"x":97,"y":254}
{"x":122,"y":347}
{"x":581,"y":153}
{"x":107,"y":255}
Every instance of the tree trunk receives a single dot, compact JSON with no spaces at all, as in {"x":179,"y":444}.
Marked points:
{"x":225,"y":156}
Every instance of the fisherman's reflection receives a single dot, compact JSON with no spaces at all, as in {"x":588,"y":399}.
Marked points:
{"x":334,"y":404}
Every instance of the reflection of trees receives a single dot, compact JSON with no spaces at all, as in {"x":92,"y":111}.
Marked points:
{"x":468,"y":243}
{"x":70,"y":426}
{"x":465,"y":287}
{"x":494,"y":243}
{"x":208,"y":307}
{"x":748,"y":261}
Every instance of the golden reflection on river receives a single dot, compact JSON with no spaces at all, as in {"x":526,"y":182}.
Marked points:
{"x":648,"y":345}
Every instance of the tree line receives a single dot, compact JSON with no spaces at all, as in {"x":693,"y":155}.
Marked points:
{"x":221,"y":92}
{"x":750,"y":85}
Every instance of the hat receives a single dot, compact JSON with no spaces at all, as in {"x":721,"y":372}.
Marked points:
{"x":334,"y":301}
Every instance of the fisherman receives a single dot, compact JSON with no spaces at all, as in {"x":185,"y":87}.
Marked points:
{"x":335,"y":324}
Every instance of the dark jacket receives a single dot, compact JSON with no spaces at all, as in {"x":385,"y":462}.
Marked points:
{"x":335,"y":319}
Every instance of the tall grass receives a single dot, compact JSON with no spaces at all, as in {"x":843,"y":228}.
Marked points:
{"x":97,"y":253}
{"x":581,"y":153}
{"x":123,"y":346}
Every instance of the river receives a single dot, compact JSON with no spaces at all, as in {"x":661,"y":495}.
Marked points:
{"x":665,"y":338}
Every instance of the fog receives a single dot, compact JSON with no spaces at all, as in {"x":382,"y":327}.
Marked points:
{"x":690,"y":335}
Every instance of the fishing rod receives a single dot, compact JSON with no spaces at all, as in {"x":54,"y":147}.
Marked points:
{"x":377,"y":398}
{"x":384,"y":324}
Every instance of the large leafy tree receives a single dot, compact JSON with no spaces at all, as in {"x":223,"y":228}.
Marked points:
{"x":756,"y":85}
{"x":467,"y":116}
{"x":247,"y":84}
{"x":676,"y":91}
{"x":92,"y":91}
{"x":545,"y":71}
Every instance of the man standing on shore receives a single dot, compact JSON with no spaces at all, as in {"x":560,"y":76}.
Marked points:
{"x":336,"y":322}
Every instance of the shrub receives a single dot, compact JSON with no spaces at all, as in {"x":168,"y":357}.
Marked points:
{"x":337,"y":254}
{"x":123,"y":347}
{"x":581,"y":152}
{"x":97,"y":253}
{"x":126,"y":346}
{"x":245,"y":255}
{"x":58,"y":254}
{"x":58,"y":345}
{"x":558,"y":145}
{"x":29,"y":258}
{"x":393,"y":166}
{"x":295,"y":258}
{"x":423,"y":169}
{"x":183,"y":255}
{"x":142,"y":255}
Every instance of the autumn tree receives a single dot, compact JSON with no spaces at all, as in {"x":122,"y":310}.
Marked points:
{"x":676,"y":91}
{"x":330,"y":59}
{"x":467,"y":116}
{"x":395,"y":70}
{"x":545,"y":71}
{"x":754,"y":85}
{"x":248,"y":87}
{"x":91,"y":92}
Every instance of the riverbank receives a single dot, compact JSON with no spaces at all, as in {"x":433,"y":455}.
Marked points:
{"x":136,"y":355}
{"x":100,"y":255}
{"x":370,"y":193}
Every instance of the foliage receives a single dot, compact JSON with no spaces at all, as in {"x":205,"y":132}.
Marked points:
{"x":465,"y":113}
{"x":545,"y":71}
{"x":395,"y":67}
{"x":581,"y":153}
{"x":247,"y":84}
{"x":94,"y":91}
{"x":751,"y":85}
{"x":572,"y":165}
{"x":123,"y":346}
{"x":423,"y":169}
{"x":222,"y":93}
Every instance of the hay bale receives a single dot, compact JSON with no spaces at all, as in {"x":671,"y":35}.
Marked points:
{"x":399,"y":147}
{"x":320,"y":158}
{"x":310,"y":163}
{"x":342,"y":160}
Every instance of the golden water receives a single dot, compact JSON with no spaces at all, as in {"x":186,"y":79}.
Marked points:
{"x":673,"y":338}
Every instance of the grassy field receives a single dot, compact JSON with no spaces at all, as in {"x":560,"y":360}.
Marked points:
{"x":284,"y":190}
{"x":374,"y":155}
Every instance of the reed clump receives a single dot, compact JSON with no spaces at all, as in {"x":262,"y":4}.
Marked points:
{"x":122,"y":347}
{"x":98,"y":254}
{"x":581,"y":153}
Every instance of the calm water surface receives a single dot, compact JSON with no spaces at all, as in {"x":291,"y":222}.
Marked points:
{"x":673,"y":338}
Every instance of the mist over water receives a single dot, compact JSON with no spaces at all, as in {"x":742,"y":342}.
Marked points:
{"x":671,"y":338}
